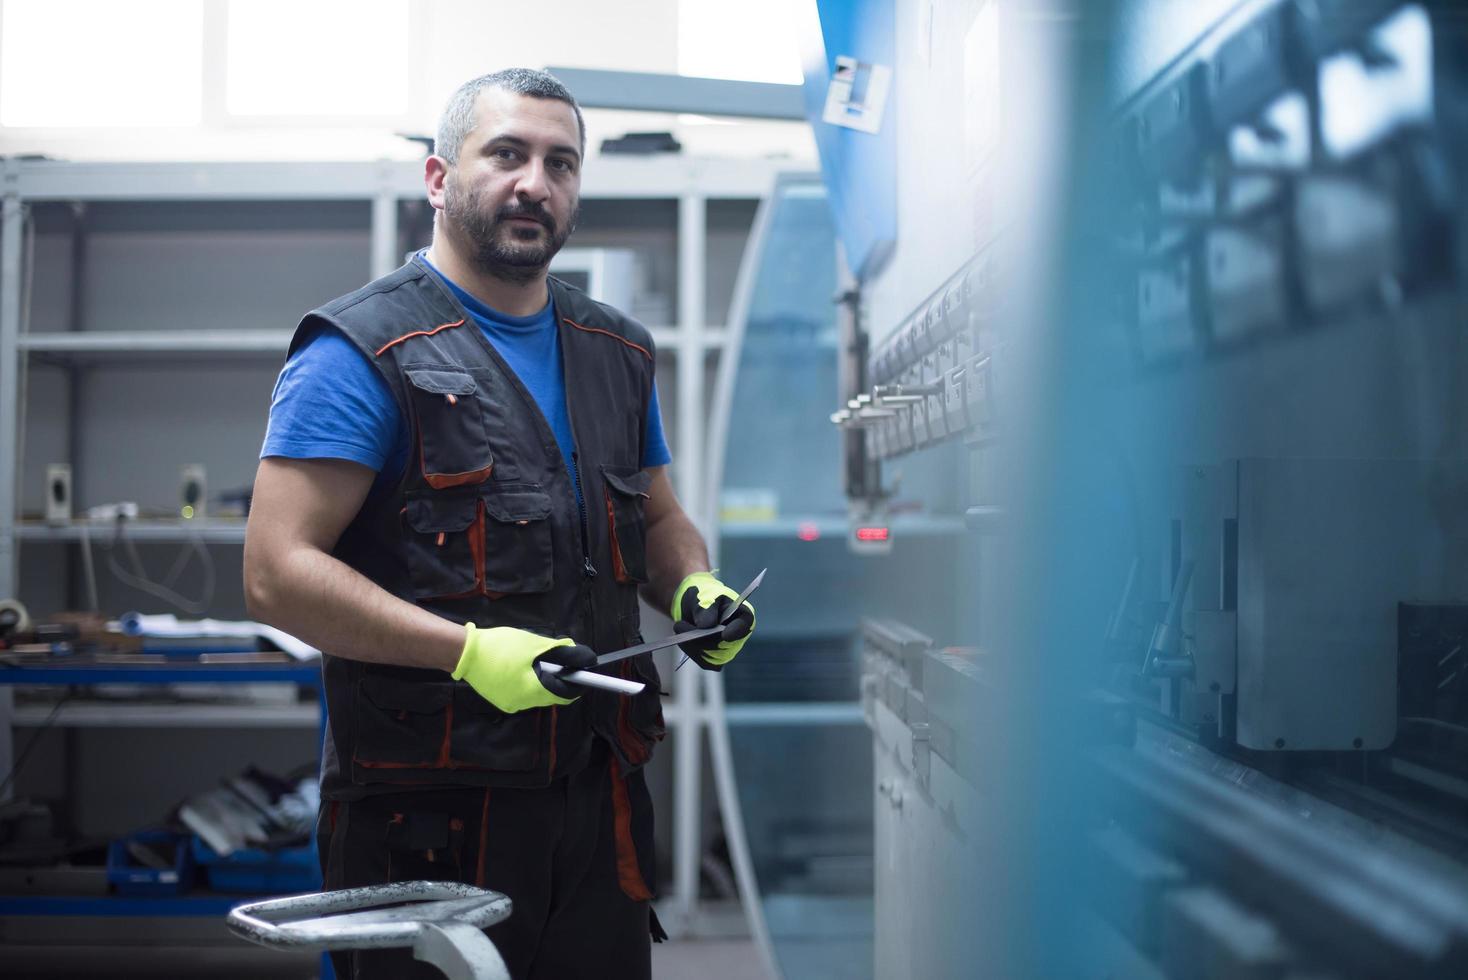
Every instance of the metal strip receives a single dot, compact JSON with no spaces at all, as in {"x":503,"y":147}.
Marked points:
{"x":647,"y":92}
{"x":11,"y":221}
{"x":12,"y":216}
{"x":385,"y":228}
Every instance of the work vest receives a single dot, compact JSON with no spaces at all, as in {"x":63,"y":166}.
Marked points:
{"x":484,"y":527}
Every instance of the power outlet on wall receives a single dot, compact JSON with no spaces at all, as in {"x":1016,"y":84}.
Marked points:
{"x":58,"y":492}
{"x":193,"y":491}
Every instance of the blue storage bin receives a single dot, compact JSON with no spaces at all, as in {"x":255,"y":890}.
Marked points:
{"x":129,"y":877}
{"x":258,"y":872}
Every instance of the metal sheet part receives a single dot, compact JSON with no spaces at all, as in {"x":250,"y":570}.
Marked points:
{"x":659,"y":644}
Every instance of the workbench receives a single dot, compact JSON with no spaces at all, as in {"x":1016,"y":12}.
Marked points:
{"x":124,"y":919}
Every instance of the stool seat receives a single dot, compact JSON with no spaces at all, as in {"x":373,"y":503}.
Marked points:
{"x":442,"y":921}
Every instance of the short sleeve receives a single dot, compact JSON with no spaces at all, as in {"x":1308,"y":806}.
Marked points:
{"x":655,"y":450}
{"x":331,"y":403}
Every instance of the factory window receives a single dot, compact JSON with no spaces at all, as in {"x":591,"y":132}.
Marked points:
{"x":67,"y":63}
{"x":328,"y":58}
{"x":754,"y":41}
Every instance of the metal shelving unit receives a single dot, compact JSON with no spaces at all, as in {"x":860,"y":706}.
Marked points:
{"x":83,"y":714}
{"x":658,"y":176}
{"x":215,"y":530}
{"x":141,"y":345}
{"x":691,"y":182}
{"x":149,"y":343}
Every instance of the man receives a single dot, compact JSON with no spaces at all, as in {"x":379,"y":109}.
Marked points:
{"x":464,"y":477}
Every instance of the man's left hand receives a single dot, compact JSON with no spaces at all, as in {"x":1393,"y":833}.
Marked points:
{"x":703,"y":601}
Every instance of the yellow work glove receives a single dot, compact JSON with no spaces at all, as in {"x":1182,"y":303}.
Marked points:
{"x":702,"y":601}
{"x":500,"y":664}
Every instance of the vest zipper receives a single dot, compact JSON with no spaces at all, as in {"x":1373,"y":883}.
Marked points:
{"x":586,"y":566}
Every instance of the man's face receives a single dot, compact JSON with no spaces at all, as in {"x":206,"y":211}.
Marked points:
{"x":515,"y":192}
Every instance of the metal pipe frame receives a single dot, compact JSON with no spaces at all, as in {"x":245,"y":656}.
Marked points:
{"x":385,"y":257}
{"x":718,"y":441}
{"x":687,"y":741}
{"x":12,"y":218}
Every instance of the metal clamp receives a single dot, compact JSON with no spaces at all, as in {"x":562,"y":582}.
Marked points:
{"x":903,"y":394}
{"x":921,"y":752}
{"x":860,"y":418}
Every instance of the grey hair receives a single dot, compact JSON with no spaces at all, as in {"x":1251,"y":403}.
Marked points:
{"x":458,"y":119}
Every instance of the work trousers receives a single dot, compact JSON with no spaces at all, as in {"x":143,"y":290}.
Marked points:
{"x":575,"y":858}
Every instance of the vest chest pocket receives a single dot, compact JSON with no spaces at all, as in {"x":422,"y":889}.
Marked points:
{"x":626,"y":493}
{"x":453,"y":449}
{"x":517,"y":542}
{"x":442,"y":541}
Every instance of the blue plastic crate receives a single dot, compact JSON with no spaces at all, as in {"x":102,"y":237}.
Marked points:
{"x":128,"y":877}
{"x":259,"y":872}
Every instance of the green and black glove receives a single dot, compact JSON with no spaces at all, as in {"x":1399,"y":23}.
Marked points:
{"x":500,"y":664}
{"x":702,"y":601}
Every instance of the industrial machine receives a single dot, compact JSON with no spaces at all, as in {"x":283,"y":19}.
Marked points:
{"x":1175,"y":295}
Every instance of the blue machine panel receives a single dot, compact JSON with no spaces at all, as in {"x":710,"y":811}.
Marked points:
{"x":860,"y":168}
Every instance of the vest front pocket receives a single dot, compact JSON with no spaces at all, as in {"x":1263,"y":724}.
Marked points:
{"x":517,"y":542}
{"x":453,"y":449}
{"x":401,"y":723}
{"x":640,"y":717}
{"x":484,"y":737}
{"x":626,"y":492}
{"x":647,"y":708}
{"x":442,"y":541}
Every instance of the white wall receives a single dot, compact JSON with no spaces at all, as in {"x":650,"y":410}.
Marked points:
{"x":451,"y":42}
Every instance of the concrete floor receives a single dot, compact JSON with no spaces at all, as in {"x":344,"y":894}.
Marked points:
{"x":724,"y":959}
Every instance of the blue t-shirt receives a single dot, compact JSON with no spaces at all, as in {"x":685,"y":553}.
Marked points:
{"x":331,"y":403}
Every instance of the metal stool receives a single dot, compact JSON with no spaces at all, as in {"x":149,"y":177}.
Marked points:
{"x":442,"y":921}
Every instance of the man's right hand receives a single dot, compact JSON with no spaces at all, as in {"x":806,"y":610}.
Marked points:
{"x":500,"y":664}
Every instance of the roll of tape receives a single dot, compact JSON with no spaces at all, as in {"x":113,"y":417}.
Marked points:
{"x":22,"y":617}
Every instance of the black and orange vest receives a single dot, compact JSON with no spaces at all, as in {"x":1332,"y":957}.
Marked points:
{"x":484,"y":527}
